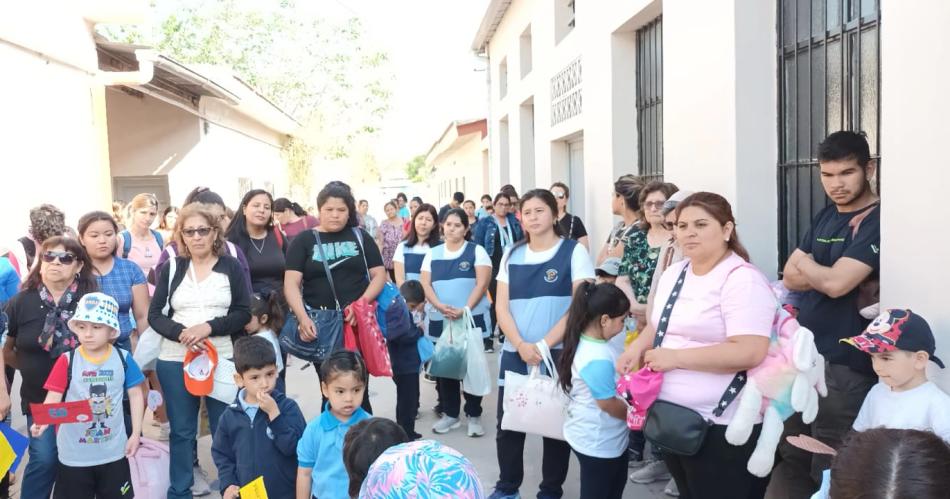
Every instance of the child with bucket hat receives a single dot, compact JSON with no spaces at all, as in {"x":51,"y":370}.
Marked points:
{"x":93,"y":455}
{"x":901,"y":345}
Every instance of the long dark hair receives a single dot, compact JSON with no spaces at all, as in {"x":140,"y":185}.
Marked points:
{"x":283,"y":204}
{"x":203,"y":195}
{"x":340,"y":190}
{"x":721,"y":210}
{"x":589,"y":303}
{"x":163,"y":223}
{"x":412,"y":238}
{"x":271,"y":304}
{"x":458,"y":212}
{"x":96,"y":216}
{"x":547,"y":198}
{"x":365,"y":442}
{"x":237,"y":231}
{"x":891,"y":463}
{"x":87,"y":281}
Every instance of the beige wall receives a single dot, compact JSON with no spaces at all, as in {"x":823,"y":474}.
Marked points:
{"x":461,"y":164}
{"x":151,"y":137}
{"x":53,"y":124}
{"x":915,"y":60}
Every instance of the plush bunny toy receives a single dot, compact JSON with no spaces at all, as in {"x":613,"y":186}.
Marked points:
{"x":789,"y":380}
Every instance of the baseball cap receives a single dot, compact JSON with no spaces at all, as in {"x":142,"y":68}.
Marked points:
{"x":97,"y":308}
{"x":610,"y":267}
{"x":199,"y":370}
{"x":674,"y":200}
{"x":896,"y":329}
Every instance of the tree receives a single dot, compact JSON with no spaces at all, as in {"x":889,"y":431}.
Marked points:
{"x":319,"y":72}
{"x":416,"y":168}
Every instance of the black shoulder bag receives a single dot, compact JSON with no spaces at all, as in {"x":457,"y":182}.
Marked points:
{"x":672,"y":427}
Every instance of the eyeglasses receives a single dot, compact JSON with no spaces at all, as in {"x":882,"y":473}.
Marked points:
{"x":654,"y":205}
{"x":200,"y":232}
{"x":64,"y":257}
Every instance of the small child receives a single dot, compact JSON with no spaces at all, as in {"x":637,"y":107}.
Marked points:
{"x":257,"y":434}
{"x":93,"y":460}
{"x":404,"y":355}
{"x":267,"y":316}
{"x":595,"y":426}
{"x":320,"y":470}
{"x":901,"y":344}
{"x":364,"y":443}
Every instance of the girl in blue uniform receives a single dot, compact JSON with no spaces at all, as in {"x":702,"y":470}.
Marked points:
{"x":423,"y":234}
{"x":535,"y":283}
{"x":455,"y":276}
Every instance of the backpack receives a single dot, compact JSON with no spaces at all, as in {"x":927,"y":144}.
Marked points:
{"x":392,"y":312}
{"x":149,"y":469}
{"x":127,"y":241}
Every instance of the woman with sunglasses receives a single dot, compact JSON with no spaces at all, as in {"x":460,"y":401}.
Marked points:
{"x":536,"y":282}
{"x":202,"y":298}
{"x":571,"y":225}
{"x":36,"y":338}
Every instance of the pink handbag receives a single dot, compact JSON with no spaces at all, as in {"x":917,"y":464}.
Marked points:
{"x":640,"y":390}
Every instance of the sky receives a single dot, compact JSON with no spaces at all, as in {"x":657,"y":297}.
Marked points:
{"x":436,"y":77}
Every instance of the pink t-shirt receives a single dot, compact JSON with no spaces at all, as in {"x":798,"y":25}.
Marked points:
{"x":734,"y":299}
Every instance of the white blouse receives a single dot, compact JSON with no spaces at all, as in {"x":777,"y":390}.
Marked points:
{"x":197,"y":302}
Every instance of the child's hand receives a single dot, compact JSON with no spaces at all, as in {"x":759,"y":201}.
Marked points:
{"x":132,"y":446}
{"x":232,"y":492}
{"x":37,"y":429}
{"x":268,"y":405}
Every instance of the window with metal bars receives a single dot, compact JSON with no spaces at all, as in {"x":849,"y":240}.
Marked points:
{"x":650,"y":100}
{"x":829,"y":80}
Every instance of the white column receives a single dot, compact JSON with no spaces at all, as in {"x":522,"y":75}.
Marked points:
{"x":915,"y":61}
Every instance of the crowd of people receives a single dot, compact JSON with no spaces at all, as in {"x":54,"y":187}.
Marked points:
{"x":140,"y":302}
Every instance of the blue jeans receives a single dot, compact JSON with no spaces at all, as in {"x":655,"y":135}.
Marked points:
{"x":182,"y":408}
{"x":40,"y":474}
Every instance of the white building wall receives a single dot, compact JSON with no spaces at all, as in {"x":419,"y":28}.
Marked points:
{"x":915,"y":60}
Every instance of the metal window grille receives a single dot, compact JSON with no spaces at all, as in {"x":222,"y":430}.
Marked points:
{"x":650,"y":100}
{"x":828,"y":80}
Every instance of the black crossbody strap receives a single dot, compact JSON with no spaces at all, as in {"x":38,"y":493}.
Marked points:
{"x":737,"y":383}
{"x":326,"y":267}
{"x":359,"y":238}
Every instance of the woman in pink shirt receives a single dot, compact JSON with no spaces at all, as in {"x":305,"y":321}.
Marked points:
{"x":714,"y":315}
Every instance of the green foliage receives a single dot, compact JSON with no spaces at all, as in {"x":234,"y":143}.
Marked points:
{"x":320,"y":72}
{"x":416,"y":169}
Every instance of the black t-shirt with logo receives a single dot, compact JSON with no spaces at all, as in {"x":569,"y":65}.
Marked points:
{"x":831,"y":237}
{"x":345,"y":260}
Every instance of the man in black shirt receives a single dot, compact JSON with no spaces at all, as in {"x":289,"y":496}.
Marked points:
{"x":456,"y":202}
{"x":835,"y":265}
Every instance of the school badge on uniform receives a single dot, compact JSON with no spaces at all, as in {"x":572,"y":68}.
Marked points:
{"x":550,"y":275}
{"x":465,"y":266}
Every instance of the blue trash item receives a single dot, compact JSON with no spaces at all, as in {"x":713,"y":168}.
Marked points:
{"x":426,"y":349}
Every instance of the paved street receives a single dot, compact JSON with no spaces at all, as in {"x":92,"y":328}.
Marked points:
{"x":303,"y":388}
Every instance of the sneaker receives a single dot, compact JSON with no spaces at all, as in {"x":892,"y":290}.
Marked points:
{"x":497,"y":494}
{"x":475,"y":428}
{"x":635,"y":460}
{"x":428,"y":378}
{"x":164,"y":432}
{"x":201,"y":486}
{"x":652,"y":471}
{"x":489,"y":349}
{"x":446,"y":424}
{"x":671,"y":489}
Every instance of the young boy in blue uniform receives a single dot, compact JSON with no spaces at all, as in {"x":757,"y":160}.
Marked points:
{"x":258,"y":433}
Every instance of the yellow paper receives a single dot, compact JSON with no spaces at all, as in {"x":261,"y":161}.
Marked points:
{"x":253,"y":490}
{"x":7,"y":456}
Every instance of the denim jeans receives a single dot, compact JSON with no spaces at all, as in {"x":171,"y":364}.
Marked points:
{"x":182,"y":408}
{"x":40,"y":471}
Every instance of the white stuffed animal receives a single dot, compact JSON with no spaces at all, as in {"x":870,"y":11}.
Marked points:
{"x":789,"y":380}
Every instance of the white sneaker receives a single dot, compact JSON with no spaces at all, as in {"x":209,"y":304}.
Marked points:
{"x":671,"y":489}
{"x":475,"y":428}
{"x":201,"y":486}
{"x":653,"y":471}
{"x":446,"y":424}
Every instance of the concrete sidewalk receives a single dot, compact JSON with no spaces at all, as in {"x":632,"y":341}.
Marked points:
{"x":302,"y":387}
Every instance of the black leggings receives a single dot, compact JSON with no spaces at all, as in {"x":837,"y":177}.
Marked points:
{"x":602,"y":478}
{"x":718,"y":471}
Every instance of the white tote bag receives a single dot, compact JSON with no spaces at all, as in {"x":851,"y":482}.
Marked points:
{"x":535,"y":403}
{"x":224,"y":388}
{"x":149,"y":345}
{"x":477,"y":380}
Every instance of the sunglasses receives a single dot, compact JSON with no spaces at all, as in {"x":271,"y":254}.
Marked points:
{"x":559,"y":195}
{"x":201,"y":232}
{"x":64,"y":257}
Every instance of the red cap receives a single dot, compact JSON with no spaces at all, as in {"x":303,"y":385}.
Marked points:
{"x":199,"y":369}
